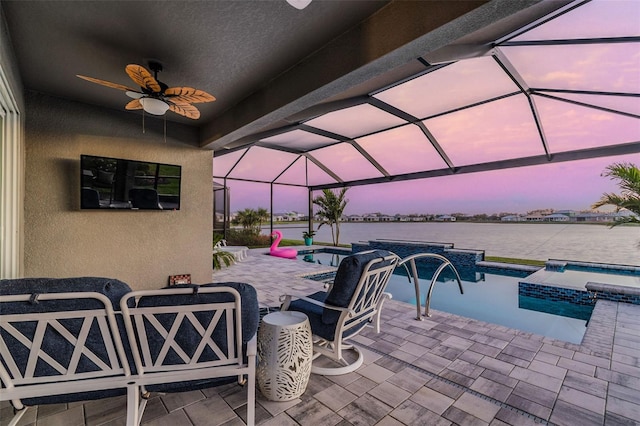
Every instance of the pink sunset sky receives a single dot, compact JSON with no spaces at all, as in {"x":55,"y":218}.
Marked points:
{"x":572,"y":185}
{"x":498,"y":130}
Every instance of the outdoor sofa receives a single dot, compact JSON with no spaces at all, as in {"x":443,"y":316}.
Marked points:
{"x":75,"y":339}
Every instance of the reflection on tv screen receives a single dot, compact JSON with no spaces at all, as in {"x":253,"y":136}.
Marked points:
{"x":113,"y":183}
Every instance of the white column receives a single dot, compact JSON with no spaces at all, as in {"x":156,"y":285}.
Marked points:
{"x":11,"y":183}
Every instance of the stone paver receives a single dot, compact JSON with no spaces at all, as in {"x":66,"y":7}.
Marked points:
{"x":444,"y":370}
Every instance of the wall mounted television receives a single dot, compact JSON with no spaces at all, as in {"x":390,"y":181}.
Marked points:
{"x":119,"y":184}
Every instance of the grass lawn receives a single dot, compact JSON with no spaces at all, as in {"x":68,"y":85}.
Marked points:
{"x":531,"y":262}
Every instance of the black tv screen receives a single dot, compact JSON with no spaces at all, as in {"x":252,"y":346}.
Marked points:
{"x":114,"y":183}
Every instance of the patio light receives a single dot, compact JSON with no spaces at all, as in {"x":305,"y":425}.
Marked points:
{"x":154,"y":106}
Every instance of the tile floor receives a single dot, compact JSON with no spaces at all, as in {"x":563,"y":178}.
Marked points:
{"x":441,"y":371}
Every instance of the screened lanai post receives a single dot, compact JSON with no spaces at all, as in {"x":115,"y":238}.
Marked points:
{"x":226,"y":221}
{"x":310,"y":210}
{"x":271,"y":211}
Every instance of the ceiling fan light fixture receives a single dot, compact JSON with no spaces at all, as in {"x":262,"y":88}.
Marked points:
{"x":154,"y":106}
{"x":299,"y":4}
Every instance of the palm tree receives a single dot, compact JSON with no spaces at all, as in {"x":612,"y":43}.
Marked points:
{"x":332,"y":207}
{"x":248,"y":219}
{"x":263,"y":216}
{"x":628,"y":177}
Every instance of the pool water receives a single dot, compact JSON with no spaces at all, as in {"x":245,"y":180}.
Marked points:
{"x":495,"y":299}
{"x":487,"y":297}
{"x":322,"y":258}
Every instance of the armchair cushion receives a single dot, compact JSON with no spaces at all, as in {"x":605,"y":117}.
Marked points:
{"x":347,"y":278}
{"x":315,"y":314}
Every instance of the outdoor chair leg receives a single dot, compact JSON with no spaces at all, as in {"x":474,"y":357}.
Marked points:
{"x":135,"y":405}
{"x":17,"y":415}
{"x":376,"y":320}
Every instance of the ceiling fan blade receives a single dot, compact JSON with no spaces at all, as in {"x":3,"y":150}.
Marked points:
{"x":134,"y":104}
{"x":189,"y":94}
{"x":106,"y":83}
{"x":186,"y":110}
{"x":143,"y":78}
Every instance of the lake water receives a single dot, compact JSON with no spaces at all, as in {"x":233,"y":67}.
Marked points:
{"x":541,"y":241}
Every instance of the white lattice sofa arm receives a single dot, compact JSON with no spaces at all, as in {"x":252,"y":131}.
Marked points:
{"x":59,"y":347}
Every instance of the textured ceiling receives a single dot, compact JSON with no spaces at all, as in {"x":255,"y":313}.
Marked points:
{"x":264,"y":61}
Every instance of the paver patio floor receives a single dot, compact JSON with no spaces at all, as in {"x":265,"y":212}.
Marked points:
{"x":443,"y":370}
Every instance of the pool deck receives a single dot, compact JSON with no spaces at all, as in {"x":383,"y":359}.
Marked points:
{"x":443,"y":370}
{"x":578,"y":279}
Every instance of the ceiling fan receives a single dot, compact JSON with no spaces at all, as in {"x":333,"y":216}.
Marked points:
{"x":155,"y":97}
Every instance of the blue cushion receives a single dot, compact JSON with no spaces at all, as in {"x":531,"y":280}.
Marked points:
{"x":315,"y":312}
{"x":54,"y":344}
{"x":112,"y":288}
{"x":349,"y":272}
{"x":188,"y":339}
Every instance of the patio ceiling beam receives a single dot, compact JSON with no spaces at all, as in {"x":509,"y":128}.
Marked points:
{"x":236,"y":163}
{"x":515,"y":76}
{"x":583,"y":154}
{"x":414,"y":120}
{"x":327,"y":107}
{"x":325,"y":133}
{"x":285,"y":169}
{"x":279,"y":148}
{"x":251,"y":139}
{"x":261,"y":181}
{"x":600,"y":108}
{"x":323,"y":167}
{"x":369,"y":158}
{"x":429,"y":69}
{"x":595,"y":40}
{"x":393,"y":110}
{"x":585,"y":92}
{"x":432,"y":139}
{"x":462,"y":108}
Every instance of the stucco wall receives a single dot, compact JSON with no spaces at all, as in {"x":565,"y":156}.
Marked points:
{"x":141,"y":248}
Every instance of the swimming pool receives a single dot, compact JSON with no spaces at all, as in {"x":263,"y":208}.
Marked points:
{"x":323,"y":257}
{"x":496,"y":299}
{"x":490,"y":297}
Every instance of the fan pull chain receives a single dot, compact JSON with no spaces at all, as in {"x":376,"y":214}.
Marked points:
{"x":143,"y":130}
{"x":164,"y":117}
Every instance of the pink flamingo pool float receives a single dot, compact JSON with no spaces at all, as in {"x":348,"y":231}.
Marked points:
{"x":287,"y":253}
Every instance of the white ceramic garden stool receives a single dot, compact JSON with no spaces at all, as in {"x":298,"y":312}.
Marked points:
{"x":285,"y":353}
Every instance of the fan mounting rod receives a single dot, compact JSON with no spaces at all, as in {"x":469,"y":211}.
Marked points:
{"x":155,"y":67}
